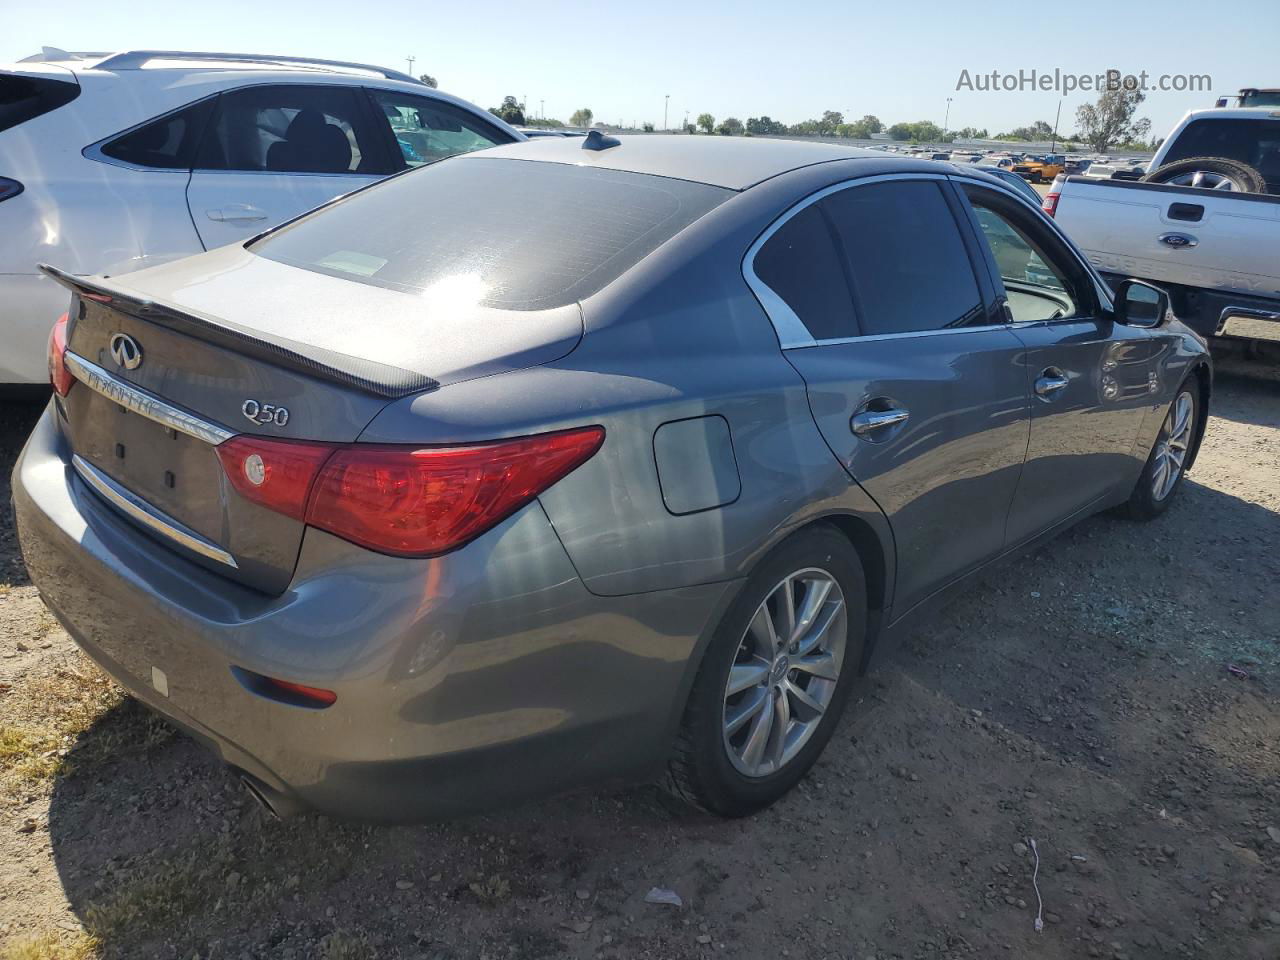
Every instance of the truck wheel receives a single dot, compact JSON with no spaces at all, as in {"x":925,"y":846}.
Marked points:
{"x":1210,"y":173}
{"x":774,"y":678}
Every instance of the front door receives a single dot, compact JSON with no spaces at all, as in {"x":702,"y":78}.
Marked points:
{"x":1090,"y":378}
{"x":915,"y":386}
{"x":275,"y":151}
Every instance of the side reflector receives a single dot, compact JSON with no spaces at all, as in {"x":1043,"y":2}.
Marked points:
{"x":59,"y":376}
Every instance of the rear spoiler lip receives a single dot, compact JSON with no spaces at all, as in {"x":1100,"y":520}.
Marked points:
{"x":370,"y":376}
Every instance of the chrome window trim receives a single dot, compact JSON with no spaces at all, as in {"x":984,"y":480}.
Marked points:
{"x":791,"y":331}
{"x":144,"y":513}
{"x":144,"y":403}
{"x":903,"y":335}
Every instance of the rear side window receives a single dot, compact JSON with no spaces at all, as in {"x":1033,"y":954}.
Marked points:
{"x":167,"y":142}
{"x":506,"y":233}
{"x":292,"y":128}
{"x":907,"y":262}
{"x":427,"y":130}
{"x":24,"y":98}
{"x":800,"y":264}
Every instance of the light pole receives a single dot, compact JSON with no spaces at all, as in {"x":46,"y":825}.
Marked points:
{"x":666,"y":102}
{"x":542,"y":109}
{"x":1056,"y":118}
{"x":411,"y":59}
{"x":947,"y":120}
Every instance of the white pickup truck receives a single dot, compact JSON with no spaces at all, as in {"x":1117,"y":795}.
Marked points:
{"x":1203,"y":222}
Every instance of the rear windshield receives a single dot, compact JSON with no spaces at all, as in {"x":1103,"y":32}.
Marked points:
{"x":1255,"y":142}
{"x":22,"y":98}
{"x":515,"y":234}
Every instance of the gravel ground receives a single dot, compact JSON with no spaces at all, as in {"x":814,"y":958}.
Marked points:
{"x":1115,"y":696}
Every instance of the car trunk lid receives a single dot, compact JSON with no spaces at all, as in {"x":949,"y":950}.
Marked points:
{"x":164,"y":380}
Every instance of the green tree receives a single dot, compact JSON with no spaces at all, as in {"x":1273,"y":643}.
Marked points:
{"x":765,"y":126}
{"x":1110,"y":121}
{"x":581,"y":118}
{"x":830,"y":120}
{"x":510,"y":111}
{"x":861,"y":129}
{"x":732,"y":127}
{"x":429,"y":80}
{"x":647,"y":128}
{"x":922,"y":131}
{"x":707,"y":122}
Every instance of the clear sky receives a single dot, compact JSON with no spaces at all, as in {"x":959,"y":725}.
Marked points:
{"x":791,"y":61}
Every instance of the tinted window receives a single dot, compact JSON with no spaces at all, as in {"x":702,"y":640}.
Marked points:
{"x":23,"y":98}
{"x":505,"y":233}
{"x":907,"y":261}
{"x":1255,"y":142}
{"x":799,"y":263}
{"x":292,"y":129}
{"x":426,"y":130}
{"x":168,"y":142}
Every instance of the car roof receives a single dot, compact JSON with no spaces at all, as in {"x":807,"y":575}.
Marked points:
{"x":1223,"y":113}
{"x":735,"y":163}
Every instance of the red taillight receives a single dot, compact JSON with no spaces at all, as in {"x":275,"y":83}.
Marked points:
{"x":424,"y":502}
{"x":59,"y":376}
{"x":409,"y":501}
{"x":277,"y":474}
{"x":1050,"y":204}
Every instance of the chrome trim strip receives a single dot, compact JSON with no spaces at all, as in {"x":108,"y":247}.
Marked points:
{"x":138,"y":509}
{"x":907,"y":335}
{"x":145,"y":404}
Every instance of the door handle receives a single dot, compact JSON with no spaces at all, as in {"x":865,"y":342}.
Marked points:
{"x":236,"y":213}
{"x":1051,"y":381}
{"x":871,"y":421}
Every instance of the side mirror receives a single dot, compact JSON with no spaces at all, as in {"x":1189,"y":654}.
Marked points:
{"x":1139,"y":304}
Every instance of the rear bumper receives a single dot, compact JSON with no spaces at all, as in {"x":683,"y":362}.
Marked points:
{"x":476,"y":679}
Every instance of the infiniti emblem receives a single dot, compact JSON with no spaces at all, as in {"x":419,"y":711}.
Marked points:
{"x":125,"y":351}
{"x":1178,"y":240}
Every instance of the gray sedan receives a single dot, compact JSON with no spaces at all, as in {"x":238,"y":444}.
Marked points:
{"x":580,"y":459}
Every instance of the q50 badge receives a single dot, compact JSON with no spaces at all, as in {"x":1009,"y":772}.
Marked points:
{"x":265,"y":413}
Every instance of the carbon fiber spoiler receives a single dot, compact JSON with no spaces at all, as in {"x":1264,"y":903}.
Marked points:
{"x":370,"y":376}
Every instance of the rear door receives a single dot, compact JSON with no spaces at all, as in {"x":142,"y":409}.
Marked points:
{"x":1091,"y":379}
{"x":913,"y":380}
{"x":275,"y":151}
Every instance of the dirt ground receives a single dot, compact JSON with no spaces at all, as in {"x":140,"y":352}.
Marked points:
{"x":1115,"y":696}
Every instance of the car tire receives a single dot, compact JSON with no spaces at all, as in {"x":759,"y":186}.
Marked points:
{"x":1245,"y":178}
{"x":711,"y":768}
{"x":1155,"y":490}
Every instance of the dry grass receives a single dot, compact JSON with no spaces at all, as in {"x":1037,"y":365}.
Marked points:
{"x":60,"y":720}
{"x":51,"y":946}
{"x":345,"y":946}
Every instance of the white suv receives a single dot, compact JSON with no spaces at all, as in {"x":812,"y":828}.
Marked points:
{"x":113,"y":162}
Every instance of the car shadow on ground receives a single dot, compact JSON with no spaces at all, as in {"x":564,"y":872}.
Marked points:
{"x":1053,"y":700}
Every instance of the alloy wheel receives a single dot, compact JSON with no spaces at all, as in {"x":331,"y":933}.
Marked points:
{"x":1205,"y":180}
{"x":785,"y":672}
{"x":1172,"y":446}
